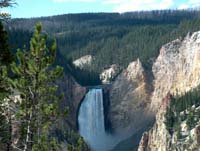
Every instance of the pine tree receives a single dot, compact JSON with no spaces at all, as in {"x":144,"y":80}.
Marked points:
{"x":5,"y":109}
{"x":190,"y":119}
{"x":5,"y":89}
{"x":170,"y":120}
{"x":5,"y":55}
{"x":36,"y":82}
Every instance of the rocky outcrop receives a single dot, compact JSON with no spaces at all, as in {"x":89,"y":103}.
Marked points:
{"x":109,"y":74}
{"x":83,"y":61}
{"x":129,"y":100}
{"x":176,"y":70}
{"x":158,"y":138}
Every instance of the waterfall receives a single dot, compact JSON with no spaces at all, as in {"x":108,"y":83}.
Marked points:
{"x":91,"y":122}
{"x":91,"y":117}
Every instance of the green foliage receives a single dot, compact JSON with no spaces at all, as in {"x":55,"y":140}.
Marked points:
{"x":4,"y":110}
{"x":5,"y":55}
{"x":170,"y":120}
{"x":76,"y":143}
{"x":182,"y":108}
{"x":35,"y":79}
{"x":190,"y":120}
{"x":36,"y":82}
{"x":178,"y":131}
{"x":5,"y":89}
{"x":111,"y":38}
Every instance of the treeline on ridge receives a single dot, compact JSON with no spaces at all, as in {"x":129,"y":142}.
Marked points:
{"x":111,"y":38}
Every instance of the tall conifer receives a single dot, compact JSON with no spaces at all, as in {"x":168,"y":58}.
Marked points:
{"x":36,"y":82}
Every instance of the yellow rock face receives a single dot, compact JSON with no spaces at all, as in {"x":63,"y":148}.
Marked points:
{"x":177,"y":68}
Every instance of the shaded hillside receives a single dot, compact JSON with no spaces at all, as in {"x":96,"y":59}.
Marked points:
{"x":111,"y":38}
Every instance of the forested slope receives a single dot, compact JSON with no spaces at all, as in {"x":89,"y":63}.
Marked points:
{"x":111,"y":38}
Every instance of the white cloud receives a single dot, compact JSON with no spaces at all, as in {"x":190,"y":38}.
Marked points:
{"x":64,"y":1}
{"x":138,"y":5}
{"x":194,"y":3}
{"x":183,"y":6}
{"x":190,"y":4}
{"x":113,"y":1}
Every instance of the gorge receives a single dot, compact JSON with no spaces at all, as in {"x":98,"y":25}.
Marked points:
{"x":134,"y":103}
{"x":121,"y":77}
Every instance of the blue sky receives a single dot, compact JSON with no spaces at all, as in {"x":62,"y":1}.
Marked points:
{"x":37,"y":8}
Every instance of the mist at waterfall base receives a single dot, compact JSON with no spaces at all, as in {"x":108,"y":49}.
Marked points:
{"x":91,"y":122}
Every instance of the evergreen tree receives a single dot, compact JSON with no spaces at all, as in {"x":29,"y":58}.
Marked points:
{"x":36,"y":82}
{"x":5,"y":89}
{"x":5,"y":110}
{"x":170,"y":120}
{"x":190,"y":119}
{"x":5,"y":55}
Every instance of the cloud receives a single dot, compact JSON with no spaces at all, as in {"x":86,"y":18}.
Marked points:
{"x":113,"y":1}
{"x":138,"y":5}
{"x":190,"y":4}
{"x":184,"y":6}
{"x":64,"y":1}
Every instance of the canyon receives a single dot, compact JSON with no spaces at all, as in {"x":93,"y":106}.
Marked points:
{"x":123,"y":75}
{"x":139,"y":100}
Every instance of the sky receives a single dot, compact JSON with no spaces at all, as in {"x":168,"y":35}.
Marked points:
{"x":38,"y":8}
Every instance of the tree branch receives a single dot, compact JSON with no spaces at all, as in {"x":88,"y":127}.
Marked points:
{"x":7,"y":3}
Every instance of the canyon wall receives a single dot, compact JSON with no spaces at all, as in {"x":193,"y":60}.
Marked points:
{"x":176,"y":70}
{"x":73,"y":95}
{"x":130,"y":100}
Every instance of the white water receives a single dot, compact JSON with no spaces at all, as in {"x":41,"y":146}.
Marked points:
{"x":91,"y":122}
{"x":91,"y":115}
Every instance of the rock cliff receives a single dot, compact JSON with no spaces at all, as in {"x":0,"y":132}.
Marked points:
{"x":176,"y":71}
{"x":73,"y":94}
{"x":177,"y":68}
{"x":129,"y":100}
{"x":158,"y":138}
{"x":109,"y":74}
{"x":83,"y":61}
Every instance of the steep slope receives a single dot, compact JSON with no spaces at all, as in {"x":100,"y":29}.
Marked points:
{"x":177,"y":68}
{"x":129,"y":101}
{"x":73,"y":94}
{"x":111,"y":38}
{"x":158,"y":138}
{"x":176,"y":71}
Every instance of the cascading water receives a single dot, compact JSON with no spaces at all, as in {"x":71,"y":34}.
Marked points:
{"x":91,"y":115}
{"x":91,"y":121}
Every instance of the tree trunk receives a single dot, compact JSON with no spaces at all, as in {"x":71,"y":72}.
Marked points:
{"x":28,"y":134}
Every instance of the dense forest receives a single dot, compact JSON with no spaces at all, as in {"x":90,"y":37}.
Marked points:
{"x":111,"y":38}
{"x":183,"y":109}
